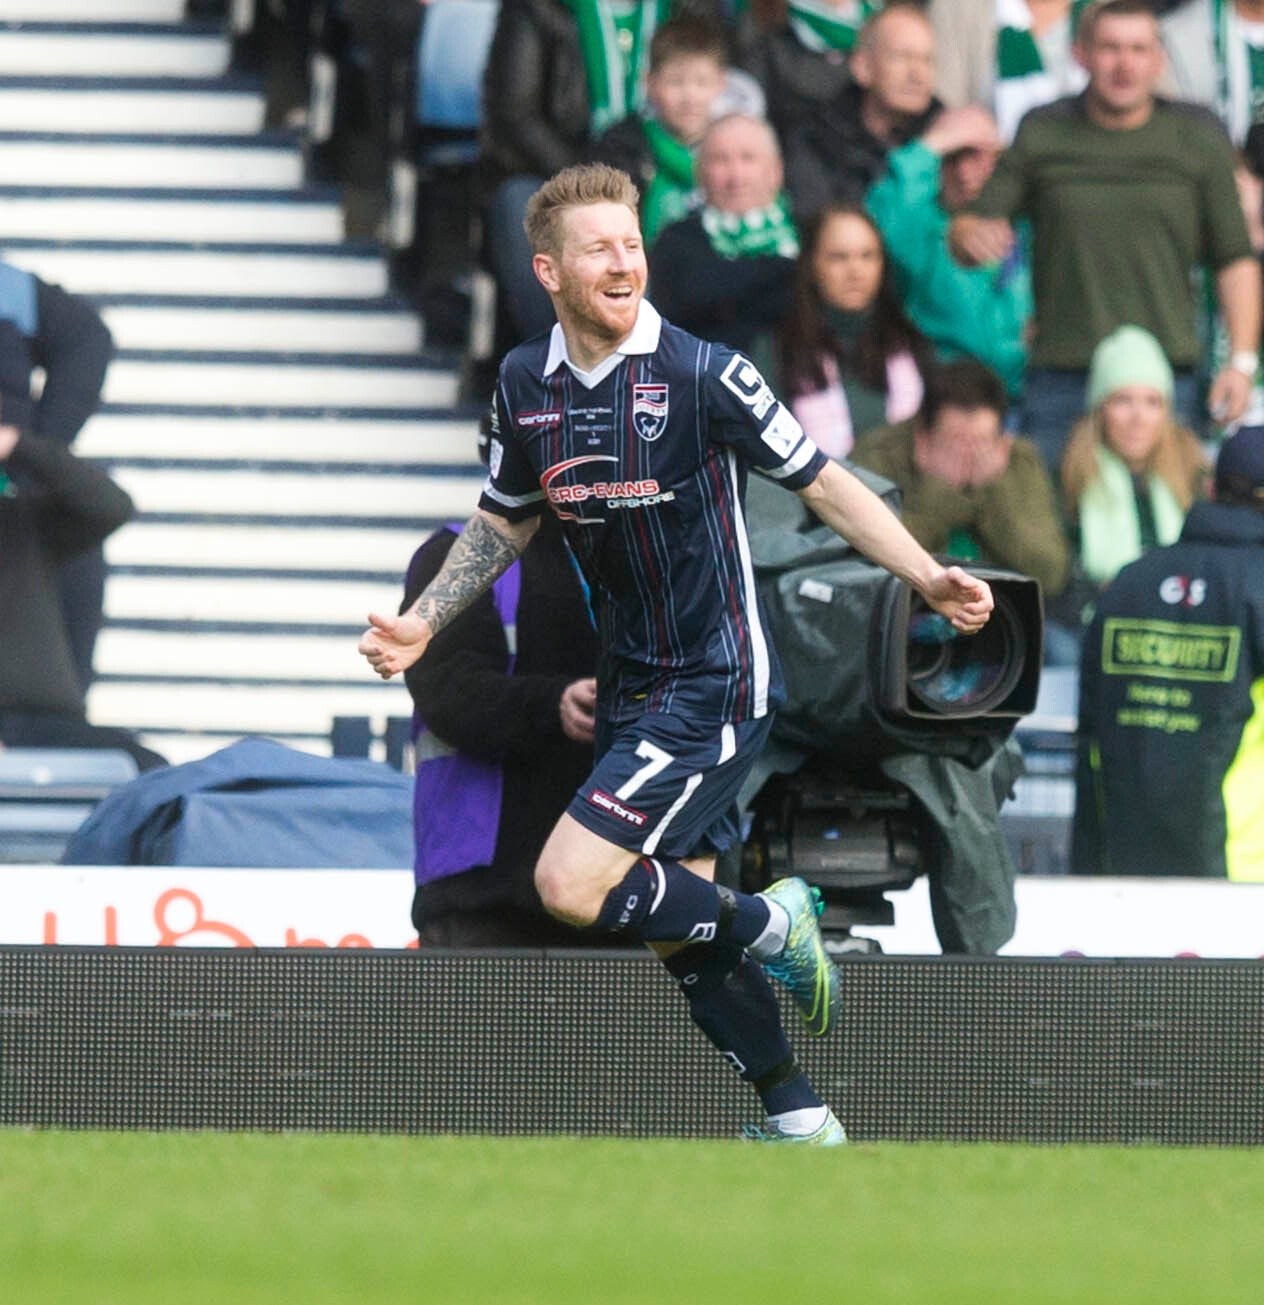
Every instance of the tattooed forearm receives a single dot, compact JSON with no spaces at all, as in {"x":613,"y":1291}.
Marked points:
{"x":480,"y":554}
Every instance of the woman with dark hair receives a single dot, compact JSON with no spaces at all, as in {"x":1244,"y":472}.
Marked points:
{"x":850,"y":358}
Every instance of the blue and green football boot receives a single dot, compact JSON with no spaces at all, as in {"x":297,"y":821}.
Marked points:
{"x":802,"y":965}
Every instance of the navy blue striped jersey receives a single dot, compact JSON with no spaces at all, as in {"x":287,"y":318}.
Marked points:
{"x":644,"y":461}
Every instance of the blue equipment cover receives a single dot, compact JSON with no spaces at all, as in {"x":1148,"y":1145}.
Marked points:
{"x":258,"y":804}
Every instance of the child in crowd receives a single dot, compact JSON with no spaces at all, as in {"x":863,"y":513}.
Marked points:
{"x":685,"y":83}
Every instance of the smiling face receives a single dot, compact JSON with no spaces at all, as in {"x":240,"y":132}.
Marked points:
{"x":1133,"y":418}
{"x":847,"y":263}
{"x":597,"y":276}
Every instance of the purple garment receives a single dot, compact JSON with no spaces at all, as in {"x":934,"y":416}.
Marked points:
{"x":456,"y":799}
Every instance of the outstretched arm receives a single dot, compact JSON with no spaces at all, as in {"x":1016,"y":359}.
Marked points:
{"x":486,"y":548}
{"x":855,"y":512}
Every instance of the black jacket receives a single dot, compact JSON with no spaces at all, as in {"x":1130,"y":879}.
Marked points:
{"x":1173,"y":667}
{"x":73,"y":346}
{"x":464,"y":695}
{"x":66,"y":506}
{"x":796,"y":81}
{"x":735,"y":301}
{"x":832,"y":156}
{"x":535,"y":91}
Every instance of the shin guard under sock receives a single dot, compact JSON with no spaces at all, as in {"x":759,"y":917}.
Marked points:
{"x":732,"y":1002}
{"x":661,"y":901}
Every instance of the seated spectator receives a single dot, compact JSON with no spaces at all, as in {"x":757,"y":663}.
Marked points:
{"x":655,"y":147}
{"x":1169,"y":748}
{"x":43,"y":326}
{"x":1007,"y":55}
{"x":799,"y":51}
{"x":850,"y":359}
{"x":969,"y":490}
{"x":839,"y":149}
{"x":724,"y":272}
{"x":1130,"y":473}
{"x":505,"y":738}
{"x":55,"y":507}
{"x":980,"y":312}
{"x":550,"y":86}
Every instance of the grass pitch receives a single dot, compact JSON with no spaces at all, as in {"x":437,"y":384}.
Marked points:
{"x":238,"y":1219}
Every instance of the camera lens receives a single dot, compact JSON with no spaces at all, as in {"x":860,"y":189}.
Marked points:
{"x":964,"y":675}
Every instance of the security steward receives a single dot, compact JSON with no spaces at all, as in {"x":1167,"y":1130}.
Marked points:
{"x":1170,"y":771}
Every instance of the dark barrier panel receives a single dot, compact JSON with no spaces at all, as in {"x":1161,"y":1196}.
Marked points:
{"x":1004,"y":1050}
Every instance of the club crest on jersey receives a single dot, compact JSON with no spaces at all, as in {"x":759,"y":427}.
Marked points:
{"x":649,"y":410}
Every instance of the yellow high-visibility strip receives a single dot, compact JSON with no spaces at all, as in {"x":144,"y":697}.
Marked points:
{"x":1243,"y":791}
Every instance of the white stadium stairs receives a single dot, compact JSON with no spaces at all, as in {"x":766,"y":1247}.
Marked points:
{"x":271,"y":406}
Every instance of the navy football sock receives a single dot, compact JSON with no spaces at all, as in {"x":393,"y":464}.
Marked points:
{"x":732,"y":1002}
{"x":661,"y":901}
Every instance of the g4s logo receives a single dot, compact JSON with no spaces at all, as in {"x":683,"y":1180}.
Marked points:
{"x":1181,"y":591}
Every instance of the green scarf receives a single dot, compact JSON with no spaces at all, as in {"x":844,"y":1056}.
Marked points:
{"x":759,"y":232}
{"x":615,"y":75}
{"x":819,"y":27}
{"x":1239,"y":79}
{"x":669,"y":195}
{"x":1110,"y":531}
{"x":1022,"y":81}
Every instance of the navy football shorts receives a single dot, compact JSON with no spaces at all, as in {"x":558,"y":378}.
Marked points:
{"x":663,"y":786}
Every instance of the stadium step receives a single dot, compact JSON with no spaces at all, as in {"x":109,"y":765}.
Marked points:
{"x":261,"y":439}
{"x":265,"y":162}
{"x":49,"y":49}
{"x":245,"y":217}
{"x":262,"y":708}
{"x":252,"y":326}
{"x":269,"y":407}
{"x":333,"y":272}
{"x":277,"y":382}
{"x":251,"y":601}
{"x":351,"y":495}
{"x":136,"y":106}
{"x":231,"y":551}
{"x":92,"y":11}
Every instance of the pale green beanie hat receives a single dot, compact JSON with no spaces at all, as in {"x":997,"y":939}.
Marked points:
{"x":1128,"y":356}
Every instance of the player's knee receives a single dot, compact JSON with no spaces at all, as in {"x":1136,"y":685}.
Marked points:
{"x":564,"y":894}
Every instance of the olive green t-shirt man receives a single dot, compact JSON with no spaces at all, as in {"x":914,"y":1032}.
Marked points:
{"x":1120,"y":220}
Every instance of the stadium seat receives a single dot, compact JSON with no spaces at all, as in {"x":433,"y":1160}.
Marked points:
{"x":47,"y":793}
{"x":456,"y":295}
{"x":451,"y":54}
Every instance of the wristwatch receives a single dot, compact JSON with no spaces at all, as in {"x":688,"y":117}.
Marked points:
{"x":1246,"y":362}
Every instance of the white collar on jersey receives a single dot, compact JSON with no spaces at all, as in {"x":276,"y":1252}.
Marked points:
{"x":644,"y":339}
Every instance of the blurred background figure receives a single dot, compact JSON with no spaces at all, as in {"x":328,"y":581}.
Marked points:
{"x":53,"y":507}
{"x":1170,"y":745}
{"x":655,"y":146}
{"x":1009,"y":56}
{"x":800,"y":53}
{"x":840,"y":146}
{"x":44,"y":327}
{"x":724,"y":272}
{"x":978,"y":312}
{"x":1130,"y":472}
{"x":850,"y":359}
{"x":968,"y":490}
